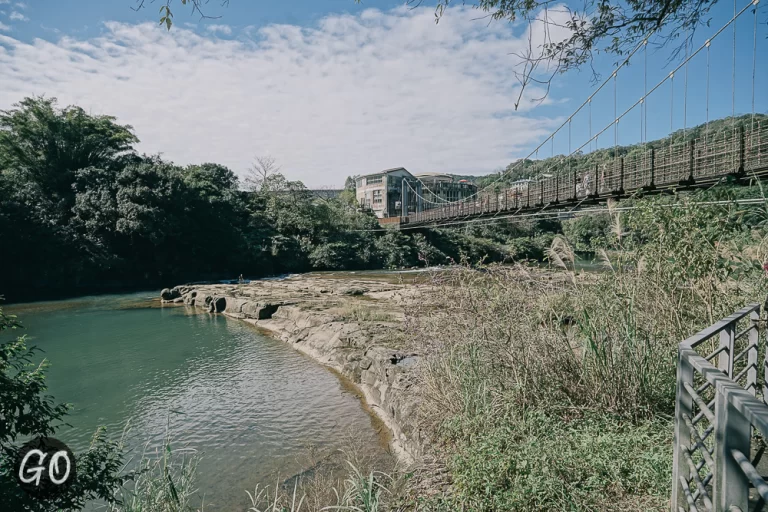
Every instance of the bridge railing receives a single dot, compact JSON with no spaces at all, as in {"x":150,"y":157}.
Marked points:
{"x":702,"y":161}
{"x":720,"y":418}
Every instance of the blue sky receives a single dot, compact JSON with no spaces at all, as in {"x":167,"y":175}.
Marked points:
{"x":331,"y":88}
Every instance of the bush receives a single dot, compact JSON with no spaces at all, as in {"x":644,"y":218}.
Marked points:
{"x":539,"y":461}
{"x":588,"y":232}
{"x":28,"y":412}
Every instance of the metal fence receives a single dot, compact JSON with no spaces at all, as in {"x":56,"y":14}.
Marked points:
{"x":721,"y":418}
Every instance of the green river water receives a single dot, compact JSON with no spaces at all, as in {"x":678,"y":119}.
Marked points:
{"x":249,"y":404}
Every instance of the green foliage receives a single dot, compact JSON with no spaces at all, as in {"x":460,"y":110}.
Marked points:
{"x":394,"y":250}
{"x":26,"y":411}
{"x":540,"y":461}
{"x":97,"y":216}
{"x":587,"y":232}
{"x":164,"y":481}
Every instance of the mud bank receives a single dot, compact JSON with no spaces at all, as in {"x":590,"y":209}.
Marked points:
{"x":354,"y":327}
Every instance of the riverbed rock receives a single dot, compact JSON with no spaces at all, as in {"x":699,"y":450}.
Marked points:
{"x":259,"y":310}
{"x":354,"y":291}
{"x":320,"y":317}
{"x":218,"y":304}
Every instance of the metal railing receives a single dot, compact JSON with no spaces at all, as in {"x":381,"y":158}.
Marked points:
{"x":721,"y":418}
{"x":698,"y":162}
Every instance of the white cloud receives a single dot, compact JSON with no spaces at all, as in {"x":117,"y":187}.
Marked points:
{"x":4,"y":27}
{"x":352,"y":95}
{"x":17,"y":16}
{"x":220,"y":29}
{"x":21,"y":5}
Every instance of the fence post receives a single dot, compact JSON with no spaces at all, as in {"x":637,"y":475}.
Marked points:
{"x":682,"y":436}
{"x":573,"y":177}
{"x":653,"y":152}
{"x":742,"y":141}
{"x":691,"y":158}
{"x":725,"y":359}
{"x":621,"y":174}
{"x":754,"y":339}
{"x":732,"y":432}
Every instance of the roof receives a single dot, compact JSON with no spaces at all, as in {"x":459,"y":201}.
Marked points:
{"x":386,"y":171}
{"x":434,"y":174}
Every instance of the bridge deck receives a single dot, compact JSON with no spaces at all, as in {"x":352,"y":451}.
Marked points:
{"x":695,"y":163}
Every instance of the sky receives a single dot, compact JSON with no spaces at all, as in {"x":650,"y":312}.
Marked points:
{"x":330,"y":88}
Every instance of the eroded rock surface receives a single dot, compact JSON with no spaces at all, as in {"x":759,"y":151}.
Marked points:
{"x":353,"y":326}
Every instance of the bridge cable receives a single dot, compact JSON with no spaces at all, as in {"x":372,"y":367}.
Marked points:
{"x":644,"y":105}
{"x":754,"y":61}
{"x":514,"y":218}
{"x":706,"y":132}
{"x":569,"y":150}
{"x":616,"y":119}
{"x":597,"y":135}
{"x":733,"y":79}
{"x":685,"y":93}
{"x":590,"y":125}
{"x":624,"y":63}
{"x":671,"y":109}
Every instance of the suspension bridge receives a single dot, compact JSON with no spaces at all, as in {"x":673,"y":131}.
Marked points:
{"x":570,"y":180}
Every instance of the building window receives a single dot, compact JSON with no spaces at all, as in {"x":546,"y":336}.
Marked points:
{"x":377,"y":197}
{"x":360,"y":182}
{"x":374,"y":180}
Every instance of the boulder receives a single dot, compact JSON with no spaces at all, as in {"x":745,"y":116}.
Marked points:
{"x":235,"y":305}
{"x":202,"y":300}
{"x":354,"y":291}
{"x":166,"y":294}
{"x":189,"y":298}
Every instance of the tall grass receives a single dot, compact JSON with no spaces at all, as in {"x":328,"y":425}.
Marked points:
{"x":163,"y":481}
{"x":542,"y":387}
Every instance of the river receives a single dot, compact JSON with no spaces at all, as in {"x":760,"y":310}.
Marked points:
{"x":250,"y":405}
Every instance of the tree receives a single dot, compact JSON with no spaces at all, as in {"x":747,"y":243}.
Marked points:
{"x":46,"y":145}
{"x":258,"y":174}
{"x":26,"y":411}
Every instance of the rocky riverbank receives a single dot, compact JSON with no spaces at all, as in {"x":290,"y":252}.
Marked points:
{"x":354,"y":326}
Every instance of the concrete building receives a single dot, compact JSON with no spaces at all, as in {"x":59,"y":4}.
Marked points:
{"x":396,"y":192}
{"x":383,"y":192}
{"x":442,"y":188}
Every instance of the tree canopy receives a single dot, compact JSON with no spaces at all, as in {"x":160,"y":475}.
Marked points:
{"x":82,"y":211}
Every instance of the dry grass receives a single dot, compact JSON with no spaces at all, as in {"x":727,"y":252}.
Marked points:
{"x":581,"y":355}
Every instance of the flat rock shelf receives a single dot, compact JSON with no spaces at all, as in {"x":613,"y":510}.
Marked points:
{"x":351,"y":326}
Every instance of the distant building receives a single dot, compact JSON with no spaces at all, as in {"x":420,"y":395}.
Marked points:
{"x":444,"y":188}
{"x":382,"y":192}
{"x":396,"y":192}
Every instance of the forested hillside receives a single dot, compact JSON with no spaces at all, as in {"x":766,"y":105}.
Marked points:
{"x":535,"y":168}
